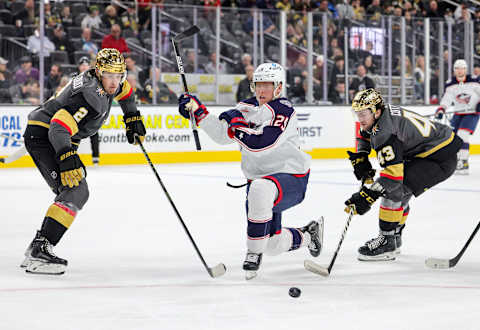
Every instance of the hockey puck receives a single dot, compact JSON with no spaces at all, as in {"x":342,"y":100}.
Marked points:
{"x":294,"y":292}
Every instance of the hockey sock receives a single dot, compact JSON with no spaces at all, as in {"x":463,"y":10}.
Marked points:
{"x":58,"y":219}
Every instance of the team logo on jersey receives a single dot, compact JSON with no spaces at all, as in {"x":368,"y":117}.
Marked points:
{"x":375,"y":129}
{"x":463,"y":98}
{"x":100,"y":91}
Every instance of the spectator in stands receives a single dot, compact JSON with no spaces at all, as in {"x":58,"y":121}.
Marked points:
{"x":466,"y":16}
{"x":83,"y":64}
{"x":284,"y":5}
{"x":115,"y":40}
{"x":26,"y":71}
{"x":63,"y":82}
{"x":244,"y":92}
{"x":27,"y":92}
{"x":163,"y":93}
{"x":318,"y":70}
{"x":88,"y":45}
{"x":323,"y":8}
{"x":62,"y":42}
{"x":33,"y":44}
{"x":374,"y":9}
{"x":475,"y":74}
{"x":53,"y":79}
{"x":129,"y":19}
{"x":26,"y":16}
{"x":92,"y":20}
{"x":338,"y":69}
{"x":432,"y":10}
{"x":245,"y":61}
{"x":369,"y":65}
{"x":359,"y":10}
{"x":448,"y":16}
{"x":137,"y":89}
{"x":134,"y":69}
{"x":211,"y":66}
{"x":190,"y":63}
{"x":268,"y":25}
{"x":5,"y":75}
{"x":361,"y":82}
{"x":66,"y":16}
{"x":337,"y":94}
{"x":419,"y":74}
{"x":345,"y":10}
{"x":110,"y":18}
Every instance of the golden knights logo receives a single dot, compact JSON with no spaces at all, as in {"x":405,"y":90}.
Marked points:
{"x":100,"y":91}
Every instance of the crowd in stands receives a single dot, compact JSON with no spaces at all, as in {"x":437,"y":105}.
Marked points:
{"x":76,"y":30}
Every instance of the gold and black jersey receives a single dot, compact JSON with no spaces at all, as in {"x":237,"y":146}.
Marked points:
{"x":82,"y":106}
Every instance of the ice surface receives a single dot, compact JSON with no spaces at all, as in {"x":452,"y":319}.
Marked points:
{"x":131,"y":265}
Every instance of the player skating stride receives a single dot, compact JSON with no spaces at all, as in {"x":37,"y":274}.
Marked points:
{"x":415,"y":154}
{"x":463,"y":92}
{"x":52,"y":137}
{"x":265,"y":127}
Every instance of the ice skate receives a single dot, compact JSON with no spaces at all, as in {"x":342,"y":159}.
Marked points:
{"x":28,"y":251}
{"x":42,"y":260}
{"x":462,"y":167}
{"x":315,"y":229}
{"x":381,"y":248}
{"x":251,"y":264}
{"x":398,"y":238}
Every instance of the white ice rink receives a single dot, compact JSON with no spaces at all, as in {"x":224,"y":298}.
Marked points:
{"x":131,"y":265}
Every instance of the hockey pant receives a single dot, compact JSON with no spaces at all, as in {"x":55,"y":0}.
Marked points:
{"x":68,"y":201}
{"x":266,"y":199}
{"x":464,"y":126}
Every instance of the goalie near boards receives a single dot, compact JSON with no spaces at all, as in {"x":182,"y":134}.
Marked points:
{"x":415,"y":154}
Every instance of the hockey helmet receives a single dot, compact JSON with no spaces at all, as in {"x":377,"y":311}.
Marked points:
{"x":110,"y":60}
{"x":460,"y":64}
{"x":270,"y":72}
{"x":367,"y":99}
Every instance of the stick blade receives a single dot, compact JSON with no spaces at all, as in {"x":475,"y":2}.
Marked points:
{"x":187,"y":33}
{"x":436,"y":263}
{"x":316,"y":268}
{"x":217,"y":271}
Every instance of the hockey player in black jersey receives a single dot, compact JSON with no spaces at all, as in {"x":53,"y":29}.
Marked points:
{"x":415,"y":154}
{"x":52,"y":136}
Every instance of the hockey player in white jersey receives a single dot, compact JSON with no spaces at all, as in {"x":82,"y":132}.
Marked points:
{"x":463,"y":92}
{"x":265,"y":127}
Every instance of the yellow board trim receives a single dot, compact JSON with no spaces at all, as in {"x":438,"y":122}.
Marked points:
{"x":390,"y":215}
{"x":188,"y":157}
{"x":439,"y":146}
{"x":125,"y":90}
{"x":65,"y":117}
{"x":59,"y":215}
{"x":38,"y":123}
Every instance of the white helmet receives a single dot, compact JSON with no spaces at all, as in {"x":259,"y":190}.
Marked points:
{"x":270,"y":72}
{"x":460,"y":64}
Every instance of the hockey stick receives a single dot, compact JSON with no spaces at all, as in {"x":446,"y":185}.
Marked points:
{"x":325,"y":271}
{"x":16,"y":155}
{"x":449,"y":263}
{"x":316,"y":268}
{"x":183,"y":35}
{"x":216,"y":271}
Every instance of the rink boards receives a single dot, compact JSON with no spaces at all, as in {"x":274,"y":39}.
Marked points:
{"x":325,"y":132}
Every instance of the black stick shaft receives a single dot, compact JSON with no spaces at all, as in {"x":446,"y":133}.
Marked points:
{"x":174,"y":207}
{"x":454,"y":261}
{"x":185,"y":88}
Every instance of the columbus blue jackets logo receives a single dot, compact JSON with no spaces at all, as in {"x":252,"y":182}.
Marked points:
{"x":463,"y":98}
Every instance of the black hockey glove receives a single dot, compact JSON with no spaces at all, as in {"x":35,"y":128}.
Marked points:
{"x":72,"y":170}
{"x":362,"y":201}
{"x":134,"y":126}
{"x":439,"y":113}
{"x":362,"y":168}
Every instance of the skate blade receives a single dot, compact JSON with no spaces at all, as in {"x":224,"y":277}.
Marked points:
{"x":397,"y":252}
{"x":43,"y":268}
{"x":383,"y":257}
{"x":26,"y":262}
{"x":250,"y":274}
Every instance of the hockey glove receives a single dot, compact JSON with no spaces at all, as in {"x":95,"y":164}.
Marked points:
{"x":362,"y":168}
{"x":439,"y":113}
{"x":234,"y":119}
{"x":362,"y":201}
{"x":72,"y":170}
{"x":187,"y":103}
{"x":135,"y":127}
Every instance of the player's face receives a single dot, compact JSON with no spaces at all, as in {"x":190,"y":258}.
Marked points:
{"x":460,"y":72}
{"x":264,"y":92}
{"x":366,"y":119}
{"x":111,"y":81}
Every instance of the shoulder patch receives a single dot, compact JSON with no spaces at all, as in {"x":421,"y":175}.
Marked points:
{"x":395,"y":110}
{"x":77,"y":82}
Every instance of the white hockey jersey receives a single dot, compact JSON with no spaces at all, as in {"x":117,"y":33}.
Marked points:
{"x":464,"y":96}
{"x":271,"y":143}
